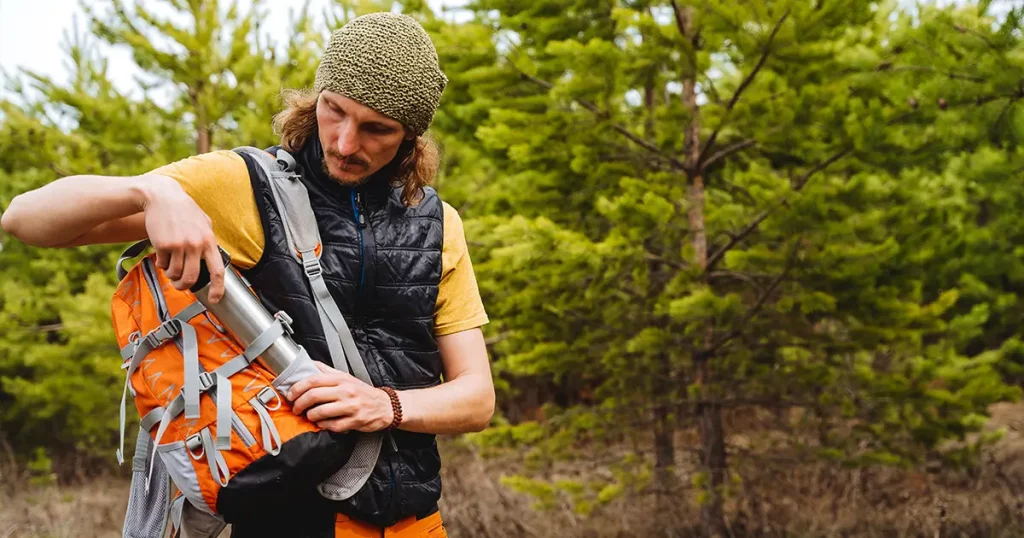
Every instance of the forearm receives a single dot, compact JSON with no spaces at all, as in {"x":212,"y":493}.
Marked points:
{"x":464,"y":404}
{"x":66,"y":209}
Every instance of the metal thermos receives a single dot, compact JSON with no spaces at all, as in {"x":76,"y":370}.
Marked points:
{"x":244,"y":316}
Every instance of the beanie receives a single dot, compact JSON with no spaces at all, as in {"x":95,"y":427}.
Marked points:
{"x":387,"y":62}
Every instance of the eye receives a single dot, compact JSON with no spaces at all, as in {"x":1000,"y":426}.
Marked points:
{"x":377,"y":128}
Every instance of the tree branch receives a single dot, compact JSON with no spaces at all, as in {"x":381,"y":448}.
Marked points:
{"x":741,"y":235}
{"x":744,"y":84}
{"x":950,"y":74}
{"x":636,"y":139}
{"x":749,"y":228}
{"x":726,"y":151}
{"x":650,"y":256}
{"x":983,"y":37}
{"x":819,"y":167}
{"x":753,"y":311}
{"x":680,"y":22}
{"x":736,"y":276}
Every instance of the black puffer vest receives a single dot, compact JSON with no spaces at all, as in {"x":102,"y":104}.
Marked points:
{"x":382,"y":264}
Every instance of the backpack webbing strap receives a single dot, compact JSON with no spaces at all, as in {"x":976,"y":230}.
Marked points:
{"x":271,"y":437}
{"x":142,"y":346}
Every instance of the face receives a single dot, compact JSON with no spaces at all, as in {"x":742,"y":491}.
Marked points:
{"x":357,"y":140}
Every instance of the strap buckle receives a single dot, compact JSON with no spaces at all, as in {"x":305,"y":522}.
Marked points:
{"x":312,"y":265}
{"x":267,"y":395}
{"x":206,"y":381}
{"x":163,"y":333}
{"x":194,"y":443}
{"x":285,"y":320}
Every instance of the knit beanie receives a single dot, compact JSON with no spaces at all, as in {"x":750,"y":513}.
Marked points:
{"x":387,"y":62}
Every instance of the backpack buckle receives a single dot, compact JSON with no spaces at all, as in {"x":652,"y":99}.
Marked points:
{"x":312,"y":265}
{"x":163,"y":333}
{"x":206,"y":381}
{"x":267,"y":395}
{"x":194,"y":444}
{"x":285,"y":320}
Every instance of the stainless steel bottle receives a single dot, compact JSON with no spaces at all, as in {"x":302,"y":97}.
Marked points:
{"x":244,"y":316}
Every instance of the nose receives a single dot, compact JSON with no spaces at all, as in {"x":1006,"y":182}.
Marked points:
{"x":348,"y":138}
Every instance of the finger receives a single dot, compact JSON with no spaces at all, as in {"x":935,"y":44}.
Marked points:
{"x":331,"y":410}
{"x":339,"y":425}
{"x":163,"y":258}
{"x":176,"y":263}
{"x":339,"y":375}
{"x":315,"y":396}
{"x":215,"y":266}
{"x":190,"y":270}
{"x":324,"y":368}
{"x":315,"y":380}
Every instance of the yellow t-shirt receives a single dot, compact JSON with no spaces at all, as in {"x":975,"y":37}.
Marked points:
{"x":219,"y":184}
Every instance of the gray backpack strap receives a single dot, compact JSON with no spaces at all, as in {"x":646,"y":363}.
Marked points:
{"x":304,"y":239}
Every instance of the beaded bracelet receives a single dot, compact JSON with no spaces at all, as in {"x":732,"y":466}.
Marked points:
{"x":396,"y":406}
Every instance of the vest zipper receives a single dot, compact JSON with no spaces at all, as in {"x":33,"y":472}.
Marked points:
{"x":360,"y":219}
{"x":367,"y":241}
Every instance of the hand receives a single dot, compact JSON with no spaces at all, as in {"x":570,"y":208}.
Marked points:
{"x":182,"y":235}
{"x":339,"y":402}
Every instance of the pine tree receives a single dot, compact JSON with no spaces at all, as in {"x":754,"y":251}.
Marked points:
{"x":59,"y":375}
{"x":213,"y":54}
{"x":698,"y":209}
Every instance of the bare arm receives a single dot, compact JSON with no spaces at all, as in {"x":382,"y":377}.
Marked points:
{"x":463,"y":403}
{"x":80,"y":210}
{"x":86,"y":210}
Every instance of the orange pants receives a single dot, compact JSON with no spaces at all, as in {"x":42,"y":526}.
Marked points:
{"x":410,"y":527}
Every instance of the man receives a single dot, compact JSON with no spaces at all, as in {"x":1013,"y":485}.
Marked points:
{"x":395,"y":260}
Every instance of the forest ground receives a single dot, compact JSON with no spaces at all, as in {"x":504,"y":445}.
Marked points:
{"x":786,"y":498}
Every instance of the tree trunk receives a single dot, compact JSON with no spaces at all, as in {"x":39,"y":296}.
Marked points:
{"x":712,"y":436}
{"x":665,"y":480}
{"x":203,"y":132}
{"x":712,"y":455}
{"x":203,"y":140}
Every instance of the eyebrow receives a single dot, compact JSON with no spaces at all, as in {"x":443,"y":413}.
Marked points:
{"x":380,"y":123}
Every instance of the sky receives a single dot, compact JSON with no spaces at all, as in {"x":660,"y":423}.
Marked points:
{"x":31,"y":33}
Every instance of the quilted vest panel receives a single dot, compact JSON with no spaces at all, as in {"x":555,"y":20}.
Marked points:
{"x":382,"y":265}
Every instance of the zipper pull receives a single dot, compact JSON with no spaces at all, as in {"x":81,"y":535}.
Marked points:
{"x":359,"y":204}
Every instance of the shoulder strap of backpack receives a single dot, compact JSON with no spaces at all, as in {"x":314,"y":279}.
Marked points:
{"x":304,"y":241}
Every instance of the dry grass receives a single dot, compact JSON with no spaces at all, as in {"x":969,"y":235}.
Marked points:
{"x":85,"y":511}
{"x":783,"y":500}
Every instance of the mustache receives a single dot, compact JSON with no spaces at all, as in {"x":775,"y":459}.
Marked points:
{"x":350,"y":160}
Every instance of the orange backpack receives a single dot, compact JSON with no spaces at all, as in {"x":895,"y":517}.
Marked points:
{"x":215,"y":424}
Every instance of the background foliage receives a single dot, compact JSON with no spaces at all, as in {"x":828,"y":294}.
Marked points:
{"x":677,"y":212}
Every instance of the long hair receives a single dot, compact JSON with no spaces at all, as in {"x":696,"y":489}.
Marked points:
{"x":414,"y":166}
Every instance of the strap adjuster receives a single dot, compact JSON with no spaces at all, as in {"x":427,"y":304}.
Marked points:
{"x":206,"y":381}
{"x":266,"y":395}
{"x":194,"y":443}
{"x":312,"y":265}
{"x":163,"y":333}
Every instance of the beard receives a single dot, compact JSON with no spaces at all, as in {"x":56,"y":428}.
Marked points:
{"x":351,"y":164}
